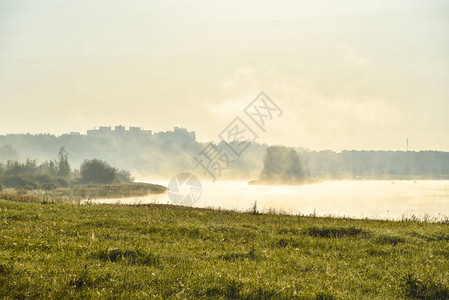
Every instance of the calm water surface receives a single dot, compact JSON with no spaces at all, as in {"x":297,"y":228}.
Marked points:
{"x":379,"y":199}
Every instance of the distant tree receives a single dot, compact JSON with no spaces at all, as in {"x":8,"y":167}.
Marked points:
{"x":124,"y":176}
{"x":281,"y":165}
{"x":49,"y":167}
{"x":97,"y":171}
{"x":293,"y":168}
{"x":17,"y":168}
{"x":63,"y":163}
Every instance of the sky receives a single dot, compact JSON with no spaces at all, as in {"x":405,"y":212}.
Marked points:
{"x":346,"y":74}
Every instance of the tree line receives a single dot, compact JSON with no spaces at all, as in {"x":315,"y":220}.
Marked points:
{"x":57,"y":173}
{"x":168,"y":153}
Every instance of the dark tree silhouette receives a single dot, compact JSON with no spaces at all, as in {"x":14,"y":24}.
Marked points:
{"x":63,"y":163}
{"x":281,"y":165}
{"x":97,"y":171}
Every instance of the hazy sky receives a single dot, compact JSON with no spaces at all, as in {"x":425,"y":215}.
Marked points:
{"x":347,"y":74}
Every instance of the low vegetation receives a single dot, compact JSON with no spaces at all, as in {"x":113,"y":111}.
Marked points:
{"x":76,"y":193}
{"x":163,"y":252}
{"x":56,"y":174}
{"x":55,"y":181}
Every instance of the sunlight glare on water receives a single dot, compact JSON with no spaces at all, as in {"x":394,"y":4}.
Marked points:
{"x":380,"y":199}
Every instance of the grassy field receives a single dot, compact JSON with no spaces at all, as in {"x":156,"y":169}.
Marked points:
{"x":166,"y":252}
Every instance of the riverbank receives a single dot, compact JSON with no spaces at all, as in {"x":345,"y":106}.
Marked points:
{"x":77,"y":193}
{"x":164,"y":251}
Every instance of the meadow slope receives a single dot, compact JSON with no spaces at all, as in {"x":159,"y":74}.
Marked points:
{"x":168,"y":252}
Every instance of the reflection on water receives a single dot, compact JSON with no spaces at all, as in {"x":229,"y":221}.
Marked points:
{"x":360,"y":199}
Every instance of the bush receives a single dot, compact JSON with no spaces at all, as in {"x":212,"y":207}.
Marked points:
{"x":15,"y":181}
{"x":49,"y":186}
{"x":97,"y":171}
{"x":32,"y":182}
{"x":124,"y":176}
{"x":62,"y":182}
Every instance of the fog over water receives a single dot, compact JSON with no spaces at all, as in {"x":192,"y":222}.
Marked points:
{"x":379,"y":199}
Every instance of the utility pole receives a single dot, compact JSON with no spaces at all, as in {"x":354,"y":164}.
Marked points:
{"x":407,"y":144}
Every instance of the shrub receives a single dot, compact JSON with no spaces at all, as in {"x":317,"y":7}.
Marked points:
{"x":49,"y":186}
{"x":31,"y":182}
{"x":15,"y":181}
{"x":62,"y":182}
{"x":97,"y":171}
{"x":124,"y":176}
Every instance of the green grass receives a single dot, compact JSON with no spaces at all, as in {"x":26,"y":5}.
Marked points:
{"x":168,"y":252}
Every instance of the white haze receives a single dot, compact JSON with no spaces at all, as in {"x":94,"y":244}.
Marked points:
{"x":348,"y":74}
{"x":378,"y":199}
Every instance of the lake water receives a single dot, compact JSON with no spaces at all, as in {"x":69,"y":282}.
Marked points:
{"x":379,"y":199}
